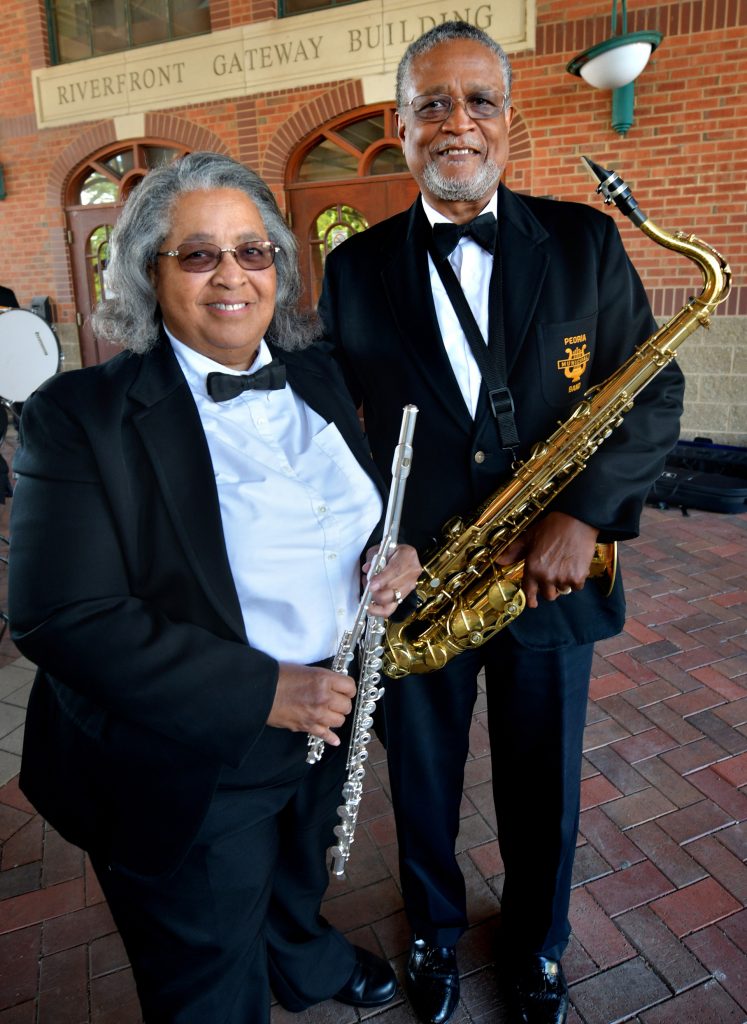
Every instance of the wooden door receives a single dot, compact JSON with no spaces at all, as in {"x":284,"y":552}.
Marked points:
{"x":347,"y":175}
{"x":95,"y":195}
{"x":90,"y":230}
{"x":324,"y":214}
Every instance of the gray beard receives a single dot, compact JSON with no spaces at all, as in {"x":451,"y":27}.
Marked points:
{"x":455,"y":190}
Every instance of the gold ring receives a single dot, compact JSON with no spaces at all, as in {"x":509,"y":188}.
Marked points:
{"x":564,"y":591}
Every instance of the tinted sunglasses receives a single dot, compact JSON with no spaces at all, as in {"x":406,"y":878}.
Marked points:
{"x":201,"y":257}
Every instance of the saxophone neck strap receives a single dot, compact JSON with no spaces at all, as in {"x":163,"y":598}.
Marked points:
{"x":490,"y":358}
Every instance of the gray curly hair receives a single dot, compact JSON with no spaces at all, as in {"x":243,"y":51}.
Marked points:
{"x":131,"y":318}
{"x":444,"y":33}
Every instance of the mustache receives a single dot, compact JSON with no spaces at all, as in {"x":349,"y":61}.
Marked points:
{"x":456,"y":142}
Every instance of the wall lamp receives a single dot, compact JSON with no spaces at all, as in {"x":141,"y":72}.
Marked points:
{"x":615,"y":64}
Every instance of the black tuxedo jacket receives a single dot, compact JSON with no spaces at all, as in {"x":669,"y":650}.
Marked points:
{"x":121,"y":593}
{"x":570,"y":296}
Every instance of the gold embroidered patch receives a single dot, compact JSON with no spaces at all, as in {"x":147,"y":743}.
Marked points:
{"x":573,"y":367}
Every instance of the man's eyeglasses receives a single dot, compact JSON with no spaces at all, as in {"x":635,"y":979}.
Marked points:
{"x":438,"y":106}
{"x":201,"y":257}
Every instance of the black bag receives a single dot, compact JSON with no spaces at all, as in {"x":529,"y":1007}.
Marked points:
{"x":703,"y":475}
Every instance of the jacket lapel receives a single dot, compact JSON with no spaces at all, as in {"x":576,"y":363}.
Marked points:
{"x":525,"y":263}
{"x":170,"y":428}
{"x":404,"y":277}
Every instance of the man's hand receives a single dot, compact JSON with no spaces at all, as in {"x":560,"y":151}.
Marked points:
{"x":557,"y":552}
{"x":395,"y":581}
{"x":311,"y":700}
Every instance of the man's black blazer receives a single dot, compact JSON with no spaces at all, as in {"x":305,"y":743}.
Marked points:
{"x":570,"y":295}
{"x":146,"y":686}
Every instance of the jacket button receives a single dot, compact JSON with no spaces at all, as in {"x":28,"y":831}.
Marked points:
{"x":479,"y":456}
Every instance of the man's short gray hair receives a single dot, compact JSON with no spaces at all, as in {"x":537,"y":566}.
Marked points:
{"x":444,"y":33}
{"x":131,"y":317}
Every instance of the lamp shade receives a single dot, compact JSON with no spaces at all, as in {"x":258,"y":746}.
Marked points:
{"x":617,"y":61}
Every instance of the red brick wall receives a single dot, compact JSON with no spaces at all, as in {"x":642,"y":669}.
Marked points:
{"x":685,"y":157}
{"x":685,"y":154}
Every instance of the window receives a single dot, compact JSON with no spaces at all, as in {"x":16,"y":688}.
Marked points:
{"x":111,"y":175}
{"x":286,"y":7}
{"x":330,"y":228}
{"x":366,"y":147}
{"x":90,"y":28}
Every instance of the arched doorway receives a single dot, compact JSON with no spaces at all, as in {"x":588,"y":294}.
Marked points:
{"x":345,"y":177}
{"x":93,"y":200}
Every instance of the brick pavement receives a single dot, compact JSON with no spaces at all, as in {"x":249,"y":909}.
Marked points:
{"x":658,"y":907}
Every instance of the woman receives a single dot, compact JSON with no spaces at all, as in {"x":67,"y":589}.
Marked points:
{"x":186,"y":550}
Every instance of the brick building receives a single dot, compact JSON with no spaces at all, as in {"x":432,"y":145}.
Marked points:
{"x":305,"y":96}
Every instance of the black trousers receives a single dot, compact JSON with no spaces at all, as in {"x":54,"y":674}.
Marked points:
{"x":536,"y":714}
{"x":241,"y":913}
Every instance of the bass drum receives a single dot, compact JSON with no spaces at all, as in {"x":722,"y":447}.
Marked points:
{"x":29,"y":353}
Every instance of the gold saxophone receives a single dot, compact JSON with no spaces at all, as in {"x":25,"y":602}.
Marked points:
{"x":464,"y":597}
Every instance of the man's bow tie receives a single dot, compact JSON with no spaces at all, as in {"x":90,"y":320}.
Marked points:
{"x":222,"y":386}
{"x":482,"y":229}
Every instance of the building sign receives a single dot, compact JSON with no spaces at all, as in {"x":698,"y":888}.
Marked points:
{"x":364,"y":39}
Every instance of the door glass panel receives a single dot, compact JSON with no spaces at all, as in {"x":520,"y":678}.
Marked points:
{"x":388,"y":161}
{"x":327,"y":161}
{"x":98,"y":189}
{"x":98,"y":259}
{"x":329,"y":230}
{"x":121,"y":163}
{"x":337,"y":223}
{"x":157,"y":156}
{"x":362,"y":133}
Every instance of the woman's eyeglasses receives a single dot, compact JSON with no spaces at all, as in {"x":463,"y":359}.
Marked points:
{"x":201,"y":257}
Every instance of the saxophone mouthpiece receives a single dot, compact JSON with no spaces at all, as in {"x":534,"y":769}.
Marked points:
{"x":613,"y":189}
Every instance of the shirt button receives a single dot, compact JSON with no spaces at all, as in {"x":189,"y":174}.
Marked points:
{"x":331,"y":556}
{"x":322,"y":509}
{"x":479,"y":457}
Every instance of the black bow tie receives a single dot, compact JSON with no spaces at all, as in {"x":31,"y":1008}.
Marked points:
{"x":482,"y":229}
{"x":222,"y":386}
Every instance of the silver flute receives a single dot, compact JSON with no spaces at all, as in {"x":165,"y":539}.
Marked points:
{"x":369,"y":691}
{"x":351,"y":637}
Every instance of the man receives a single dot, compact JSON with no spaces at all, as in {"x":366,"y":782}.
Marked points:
{"x":562,"y":308}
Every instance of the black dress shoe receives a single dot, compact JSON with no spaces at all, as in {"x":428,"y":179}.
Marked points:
{"x":538,"y":991}
{"x":372,"y":982}
{"x":432,"y":982}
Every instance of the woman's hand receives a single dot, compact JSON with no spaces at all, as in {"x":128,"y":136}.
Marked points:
{"x":312,"y":700}
{"x":395,"y":581}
